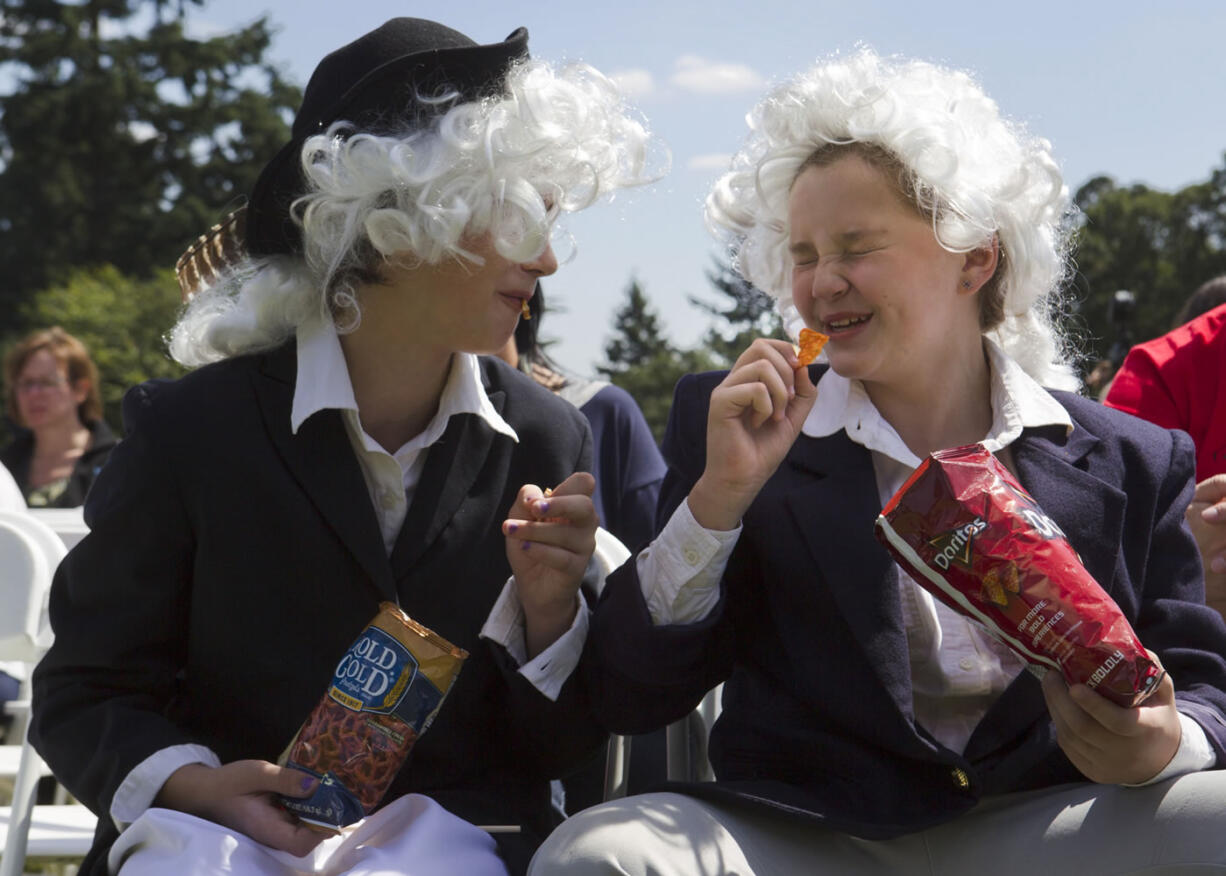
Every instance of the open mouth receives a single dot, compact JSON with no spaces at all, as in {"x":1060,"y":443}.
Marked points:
{"x":845,"y":323}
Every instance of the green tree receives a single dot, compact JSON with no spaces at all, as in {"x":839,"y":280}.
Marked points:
{"x":123,"y":321}
{"x":1158,"y":245}
{"x":643,"y":362}
{"x":120,"y":147}
{"x":746,"y":313}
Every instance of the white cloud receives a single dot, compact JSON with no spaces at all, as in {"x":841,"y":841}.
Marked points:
{"x":713,"y":77}
{"x":710,"y":161}
{"x":634,"y":83}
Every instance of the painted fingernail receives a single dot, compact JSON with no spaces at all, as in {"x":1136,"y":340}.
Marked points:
{"x":527,"y":544}
{"x":542,"y":507}
{"x":512,"y":528}
{"x":309,"y":783}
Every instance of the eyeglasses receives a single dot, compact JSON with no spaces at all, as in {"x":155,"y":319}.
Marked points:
{"x":44,"y":384}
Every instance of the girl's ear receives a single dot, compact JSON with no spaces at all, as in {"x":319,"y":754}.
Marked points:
{"x":978,"y":266}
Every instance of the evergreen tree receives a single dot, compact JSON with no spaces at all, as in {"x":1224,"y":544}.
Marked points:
{"x":747,"y":313}
{"x":119,"y":147}
{"x":643,"y":362}
{"x":637,"y":334}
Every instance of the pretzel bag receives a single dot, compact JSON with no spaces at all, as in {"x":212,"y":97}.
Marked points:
{"x":968,"y":532}
{"x":386,"y":690}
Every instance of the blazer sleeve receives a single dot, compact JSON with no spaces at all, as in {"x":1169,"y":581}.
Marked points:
{"x":102,"y":694}
{"x":642,"y":676}
{"x":553,"y":736}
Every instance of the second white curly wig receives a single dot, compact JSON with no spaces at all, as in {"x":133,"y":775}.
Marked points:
{"x":974,"y":173}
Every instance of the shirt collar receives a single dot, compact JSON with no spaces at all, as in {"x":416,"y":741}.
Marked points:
{"x":323,"y":384}
{"x":1018,"y":402}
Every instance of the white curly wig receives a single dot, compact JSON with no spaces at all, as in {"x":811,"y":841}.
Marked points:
{"x":554,"y":141}
{"x":973,"y":173}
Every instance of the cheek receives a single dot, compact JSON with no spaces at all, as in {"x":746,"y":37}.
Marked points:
{"x":802,"y":285}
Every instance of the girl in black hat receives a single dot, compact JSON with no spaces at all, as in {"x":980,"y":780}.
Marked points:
{"x":344,"y":445}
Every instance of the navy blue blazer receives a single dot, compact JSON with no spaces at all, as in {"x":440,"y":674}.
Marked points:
{"x":230,"y":562}
{"x":808,"y":634}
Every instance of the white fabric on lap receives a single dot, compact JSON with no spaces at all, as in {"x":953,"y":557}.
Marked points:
{"x":410,"y":836}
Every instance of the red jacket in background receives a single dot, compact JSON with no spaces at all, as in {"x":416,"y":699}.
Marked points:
{"x":1179,"y":381}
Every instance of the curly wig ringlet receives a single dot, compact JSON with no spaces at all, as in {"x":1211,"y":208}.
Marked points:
{"x":555,"y":141}
{"x":971,"y":172}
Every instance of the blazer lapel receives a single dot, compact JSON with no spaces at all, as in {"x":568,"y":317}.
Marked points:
{"x":453,"y":464}
{"x":1054,"y":470}
{"x":321,"y":459}
{"x":836,"y":513}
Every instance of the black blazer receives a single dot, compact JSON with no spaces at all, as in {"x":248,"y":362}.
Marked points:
{"x":817,"y":718}
{"x":17,"y":455}
{"x":229,"y":563}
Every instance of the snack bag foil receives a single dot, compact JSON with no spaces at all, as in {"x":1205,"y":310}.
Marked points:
{"x":968,"y":532}
{"x":386,"y":690}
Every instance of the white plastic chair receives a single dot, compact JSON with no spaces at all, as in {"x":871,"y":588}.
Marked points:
{"x":29,"y":553}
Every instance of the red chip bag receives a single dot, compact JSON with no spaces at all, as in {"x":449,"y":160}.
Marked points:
{"x":968,"y":532}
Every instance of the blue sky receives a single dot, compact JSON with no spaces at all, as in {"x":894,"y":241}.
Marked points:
{"x":1133,"y":90}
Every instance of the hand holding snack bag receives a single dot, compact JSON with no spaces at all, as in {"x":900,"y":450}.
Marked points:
{"x":969,"y":533}
{"x":386,"y":690}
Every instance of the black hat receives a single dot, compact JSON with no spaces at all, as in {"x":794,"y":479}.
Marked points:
{"x":376,"y":82}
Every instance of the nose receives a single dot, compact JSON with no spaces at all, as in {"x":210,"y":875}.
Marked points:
{"x":544,"y":264}
{"x":823,"y":281}
{"x":828,"y":281}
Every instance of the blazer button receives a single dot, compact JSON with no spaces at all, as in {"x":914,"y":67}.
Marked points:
{"x":961,"y":780}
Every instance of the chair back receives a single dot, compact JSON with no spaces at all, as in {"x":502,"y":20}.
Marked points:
{"x":29,"y":554}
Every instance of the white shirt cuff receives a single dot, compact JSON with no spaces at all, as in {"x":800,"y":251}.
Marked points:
{"x":680,"y":571}
{"x":1194,"y":753}
{"x":550,"y":669}
{"x":136,"y":793}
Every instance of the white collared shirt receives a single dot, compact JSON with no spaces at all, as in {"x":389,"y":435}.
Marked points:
{"x":957,"y":669}
{"x":323,"y":384}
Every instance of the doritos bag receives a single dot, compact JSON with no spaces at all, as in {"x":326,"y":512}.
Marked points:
{"x":968,"y":532}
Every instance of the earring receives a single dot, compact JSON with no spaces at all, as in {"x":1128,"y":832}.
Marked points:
{"x":966,"y":284}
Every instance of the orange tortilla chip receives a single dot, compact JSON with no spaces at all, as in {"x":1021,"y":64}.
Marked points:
{"x":811,"y":344}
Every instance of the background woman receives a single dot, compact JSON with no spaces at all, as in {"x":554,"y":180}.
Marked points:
{"x":53,"y":398}
{"x":342,"y":444}
{"x":865,"y":727}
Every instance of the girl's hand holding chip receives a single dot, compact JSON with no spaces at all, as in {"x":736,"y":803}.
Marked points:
{"x":1111,"y":744}
{"x":550,"y":539}
{"x":755,"y":415}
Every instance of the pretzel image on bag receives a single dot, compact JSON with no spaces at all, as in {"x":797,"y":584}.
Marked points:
{"x":386,"y":690}
{"x":970,"y":534}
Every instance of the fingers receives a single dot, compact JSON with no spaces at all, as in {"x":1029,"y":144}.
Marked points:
{"x":581,"y":483}
{"x":1211,"y":490}
{"x":557,"y":525}
{"x":279,"y":829}
{"x":1110,"y":743}
{"x":761,"y":383}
